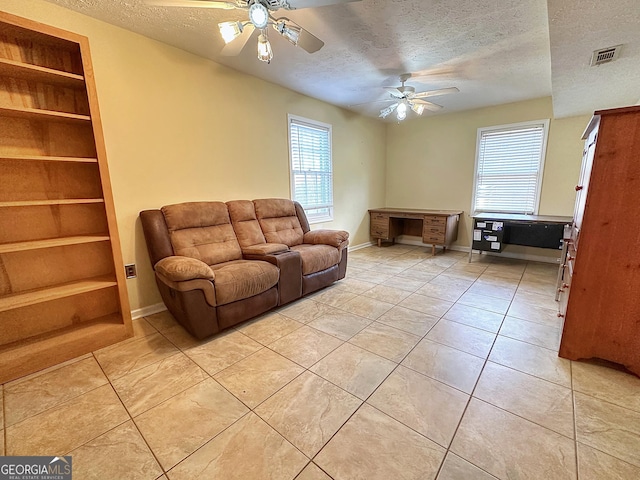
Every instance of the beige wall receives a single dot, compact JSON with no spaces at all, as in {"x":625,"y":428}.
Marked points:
{"x":431,"y":161}
{"x":179,"y":128}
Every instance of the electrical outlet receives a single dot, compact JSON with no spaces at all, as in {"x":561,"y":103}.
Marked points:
{"x":130,"y":270}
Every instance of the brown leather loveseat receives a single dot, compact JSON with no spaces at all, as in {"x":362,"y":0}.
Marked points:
{"x":218,"y":264}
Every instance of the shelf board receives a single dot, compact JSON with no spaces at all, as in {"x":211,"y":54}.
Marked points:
{"x":32,"y":297}
{"x":50,"y":243}
{"x":63,"y":201}
{"x":38,"y":114}
{"x":33,"y":354}
{"x":27,"y":71}
{"x":48,"y":158}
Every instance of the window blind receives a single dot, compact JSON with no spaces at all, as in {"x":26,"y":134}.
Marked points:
{"x":509,"y":169}
{"x":311,"y":167}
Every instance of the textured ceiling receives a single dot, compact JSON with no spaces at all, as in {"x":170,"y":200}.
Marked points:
{"x":494,"y":51}
{"x":575,"y":33}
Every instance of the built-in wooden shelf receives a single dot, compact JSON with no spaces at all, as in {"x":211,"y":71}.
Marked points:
{"x":27,"y":71}
{"x":35,"y":353}
{"x":48,"y":158}
{"x":32,"y":297}
{"x":56,"y":205}
{"x":63,"y":201}
{"x":38,"y":114}
{"x":51,"y":243}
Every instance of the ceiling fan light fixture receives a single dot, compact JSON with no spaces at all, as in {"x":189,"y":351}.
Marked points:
{"x":402,"y":111}
{"x":265,"y":54}
{"x":230,"y":30}
{"x":418,"y":108}
{"x":259,"y":15}
{"x":290,"y":32}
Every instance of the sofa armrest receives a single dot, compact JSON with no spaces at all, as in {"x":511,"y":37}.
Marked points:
{"x":265,"y":249}
{"x":181,"y":269}
{"x":335,"y":238}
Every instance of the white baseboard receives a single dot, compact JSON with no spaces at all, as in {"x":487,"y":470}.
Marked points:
{"x":148,"y":310}
{"x":362,"y":245}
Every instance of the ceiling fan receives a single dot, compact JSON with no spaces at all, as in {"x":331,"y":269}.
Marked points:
{"x":405,"y":98}
{"x":259,"y":18}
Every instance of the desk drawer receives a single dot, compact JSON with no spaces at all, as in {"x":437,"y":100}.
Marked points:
{"x":433,"y":230}
{"x":433,"y":238}
{"x":433,"y":220}
{"x":379,"y":232}
{"x":379,"y":217}
{"x":380,"y":224}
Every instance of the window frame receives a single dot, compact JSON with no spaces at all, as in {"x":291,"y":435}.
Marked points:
{"x":291,"y":119}
{"x":506,"y":127}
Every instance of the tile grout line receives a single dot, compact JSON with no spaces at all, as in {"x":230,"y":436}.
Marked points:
{"x":466,"y":408}
{"x":130,"y":418}
{"x":378,"y":386}
{"x":575,"y":422}
{"x":364,"y":401}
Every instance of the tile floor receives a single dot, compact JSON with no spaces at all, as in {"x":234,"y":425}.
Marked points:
{"x":413,"y":367}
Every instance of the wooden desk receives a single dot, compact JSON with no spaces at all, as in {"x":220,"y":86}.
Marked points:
{"x":436,"y":227}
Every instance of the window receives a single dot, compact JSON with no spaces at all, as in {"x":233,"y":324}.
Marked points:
{"x":509,"y":166}
{"x":311,"y":167}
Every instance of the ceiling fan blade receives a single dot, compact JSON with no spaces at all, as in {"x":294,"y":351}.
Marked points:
{"x":369,"y":103}
{"x":394,"y":91}
{"x":434,"y":107}
{"x":309,"y":42}
{"x":433,"y":93}
{"x":298,"y":4}
{"x":191,"y":4}
{"x":234,"y":47}
{"x":385,"y":112}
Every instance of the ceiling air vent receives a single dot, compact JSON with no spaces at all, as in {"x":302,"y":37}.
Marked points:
{"x":605,"y":55}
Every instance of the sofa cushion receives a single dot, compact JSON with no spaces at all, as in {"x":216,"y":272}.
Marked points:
{"x":245,"y":223}
{"x":316,"y":258}
{"x":278,"y":220}
{"x":202,"y":230}
{"x":241,"y":279}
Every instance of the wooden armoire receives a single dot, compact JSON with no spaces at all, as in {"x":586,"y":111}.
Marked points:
{"x":600,"y":294}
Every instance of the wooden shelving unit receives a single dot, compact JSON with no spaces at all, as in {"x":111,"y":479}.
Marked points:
{"x":10,"y":68}
{"x":50,"y":243}
{"x":62,"y":201}
{"x":62,"y":285}
{"x":39,"y":114}
{"x":47,"y":158}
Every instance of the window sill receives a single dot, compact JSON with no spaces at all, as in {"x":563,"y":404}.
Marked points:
{"x":315,"y":221}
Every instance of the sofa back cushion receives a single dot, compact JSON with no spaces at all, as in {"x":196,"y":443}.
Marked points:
{"x":202,"y":230}
{"x":245,"y":223}
{"x":278,"y":220}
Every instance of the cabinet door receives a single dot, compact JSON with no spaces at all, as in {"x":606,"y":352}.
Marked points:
{"x":583,"y":182}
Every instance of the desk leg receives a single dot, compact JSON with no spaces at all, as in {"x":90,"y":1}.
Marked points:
{"x":433,"y":250}
{"x":379,"y":242}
